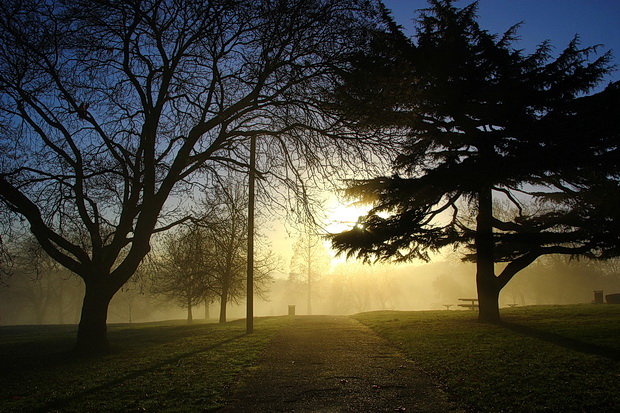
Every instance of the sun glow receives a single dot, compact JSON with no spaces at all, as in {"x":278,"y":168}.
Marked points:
{"x":343,"y":216}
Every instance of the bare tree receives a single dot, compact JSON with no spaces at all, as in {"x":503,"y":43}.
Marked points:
{"x":227,"y":227}
{"x":39,"y":288}
{"x":110,"y":111}
{"x":6,"y":258}
{"x":309,"y":263}
{"x":206,"y":260}
{"x":182,"y":271}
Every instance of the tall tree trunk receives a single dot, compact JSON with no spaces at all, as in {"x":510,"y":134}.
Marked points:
{"x":61,"y":309}
{"x":486,"y":282}
{"x":190,"y":316}
{"x":223,"y":302}
{"x":488,"y":297}
{"x":92,"y":338}
{"x":207,"y":312}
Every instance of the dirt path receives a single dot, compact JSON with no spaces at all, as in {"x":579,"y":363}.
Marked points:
{"x":335,"y":364}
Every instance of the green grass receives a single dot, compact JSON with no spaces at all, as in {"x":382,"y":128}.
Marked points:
{"x":542,"y":359}
{"x":159,"y":367}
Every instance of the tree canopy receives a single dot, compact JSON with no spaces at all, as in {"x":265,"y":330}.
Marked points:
{"x":112,"y":113}
{"x":309,"y":263}
{"x":182,"y":271}
{"x":226,"y":226}
{"x":486,"y":122}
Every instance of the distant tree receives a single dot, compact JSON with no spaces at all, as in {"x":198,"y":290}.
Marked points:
{"x":611,"y":268}
{"x":39,"y":285}
{"x":6,"y":262}
{"x":226,"y":226}
{"x":485,"y":121}
{"x":6,"y":258}
{"x":209,"y":299}
{"x":43,"y":280}
{"x":183,"y":270}
{"x":310,"y":262}
{"x":111,"y":110}
{"x":127,"y":302}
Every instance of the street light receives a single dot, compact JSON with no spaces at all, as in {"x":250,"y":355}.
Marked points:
{"x":250,"y":258}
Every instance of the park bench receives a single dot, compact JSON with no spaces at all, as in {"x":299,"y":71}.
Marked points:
{"x":473,"y":303}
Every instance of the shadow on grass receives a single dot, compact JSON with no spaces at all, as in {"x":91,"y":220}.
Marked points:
{"x":563,"y":341}
{"x":61,"y":402}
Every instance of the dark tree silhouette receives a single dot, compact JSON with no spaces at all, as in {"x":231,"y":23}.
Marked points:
{"x":111,"y":111}
{"x":226,"y":229}
{"x":485,"y":121}
{"x":182,"y":272}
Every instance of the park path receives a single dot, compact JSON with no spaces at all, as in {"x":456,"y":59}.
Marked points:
{"x":335,"y":364}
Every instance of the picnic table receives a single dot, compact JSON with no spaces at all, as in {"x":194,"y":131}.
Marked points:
{"x":473,"y":303}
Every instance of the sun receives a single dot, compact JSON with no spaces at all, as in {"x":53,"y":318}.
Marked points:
{"x":343,"y":216}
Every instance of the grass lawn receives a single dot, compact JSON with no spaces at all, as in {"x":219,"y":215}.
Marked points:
{"x":158,"y":367}
{"x":542,"y":359}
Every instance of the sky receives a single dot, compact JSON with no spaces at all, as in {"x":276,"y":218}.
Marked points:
{"x":596,"y":21}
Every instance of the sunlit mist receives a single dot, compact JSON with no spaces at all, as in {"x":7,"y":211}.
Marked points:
{"x":342,"y":215}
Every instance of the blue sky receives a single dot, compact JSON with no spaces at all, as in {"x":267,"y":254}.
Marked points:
{"x":596,"y":21}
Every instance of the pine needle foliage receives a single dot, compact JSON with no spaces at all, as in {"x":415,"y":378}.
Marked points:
{"x":485,"y":122}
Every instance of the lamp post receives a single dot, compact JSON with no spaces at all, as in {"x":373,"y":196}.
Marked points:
{"x":250,"y":257}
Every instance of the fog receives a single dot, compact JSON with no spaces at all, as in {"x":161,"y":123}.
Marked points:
{"x":347,"y":288}
{"x":351,"y":288}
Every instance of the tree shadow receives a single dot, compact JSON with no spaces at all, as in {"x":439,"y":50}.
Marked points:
{"x":563,"y":341}
{"x":60,"y":403}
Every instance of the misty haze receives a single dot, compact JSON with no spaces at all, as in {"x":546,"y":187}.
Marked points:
{"x":346,"y":288}
{"x":309,"y":205}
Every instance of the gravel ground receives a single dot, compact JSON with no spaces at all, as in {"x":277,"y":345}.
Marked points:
{"x":335,"y":364}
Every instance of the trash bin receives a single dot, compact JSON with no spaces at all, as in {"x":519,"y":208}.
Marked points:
{"x":598,"y":296}
{"x":291,"y":310}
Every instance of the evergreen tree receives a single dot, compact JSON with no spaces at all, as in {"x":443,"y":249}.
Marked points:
{"x":485,"y":121}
